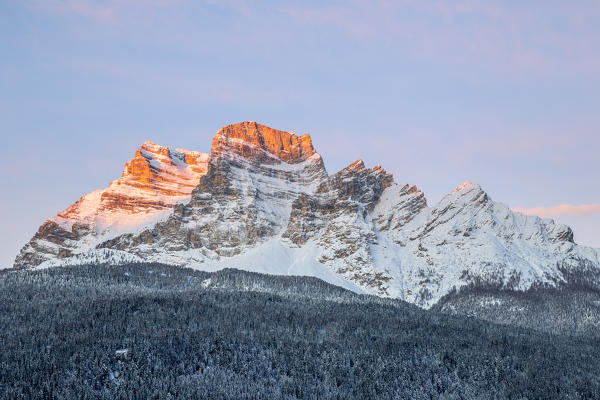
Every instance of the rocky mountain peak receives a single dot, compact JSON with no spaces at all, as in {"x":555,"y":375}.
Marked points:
{"x":466,"y":186}
{"x":262,"y":144}
{"x":153,"y":181}
{"x":465,"y":194}
{"x":359,"y":183}
{"x":151,"y":147}
{"x":263,"y":201}
{"x":168,"y":172}
{"x":357,"y":165}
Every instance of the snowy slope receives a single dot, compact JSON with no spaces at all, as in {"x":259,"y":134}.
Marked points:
{"x":469,"y":239}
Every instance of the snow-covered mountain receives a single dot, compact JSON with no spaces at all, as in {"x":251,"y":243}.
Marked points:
{"x":263,"y":201}
{"x":152,"y":183}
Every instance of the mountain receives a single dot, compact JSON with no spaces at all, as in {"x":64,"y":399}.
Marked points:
{"x":152,"y":183}
{"x":263,"y":201}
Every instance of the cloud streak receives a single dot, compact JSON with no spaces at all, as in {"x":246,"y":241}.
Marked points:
{"x":562,"y":209}
{"x":104,"y":12}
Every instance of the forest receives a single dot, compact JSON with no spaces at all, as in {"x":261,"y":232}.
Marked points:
{"x":573,"y":310}
{"x":151,"y":331}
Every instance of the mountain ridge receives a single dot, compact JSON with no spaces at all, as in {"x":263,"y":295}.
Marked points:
{"x":263,"y":201}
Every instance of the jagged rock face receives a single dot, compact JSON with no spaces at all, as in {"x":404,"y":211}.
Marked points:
{"x":337,"y":218}
{"x":152,"y":182}
{"x":261,"y":144}
{"x":469,"y":239}
{"x":244,"y":199}
{"x":263,"y":201}
{"x":162,"y":171}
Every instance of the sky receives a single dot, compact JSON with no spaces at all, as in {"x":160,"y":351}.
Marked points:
{"x":505,"y":94}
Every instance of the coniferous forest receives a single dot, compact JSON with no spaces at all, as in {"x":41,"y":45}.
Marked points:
{"x":149,"y":331}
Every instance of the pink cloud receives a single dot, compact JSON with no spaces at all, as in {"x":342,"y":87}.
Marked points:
{"x":104,"y":12}
{"x":562,"y":209}
{"x":91,"y":10}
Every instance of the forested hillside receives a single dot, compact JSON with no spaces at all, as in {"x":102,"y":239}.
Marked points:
{"x":154,"y":331}
{"x":572,"y":311}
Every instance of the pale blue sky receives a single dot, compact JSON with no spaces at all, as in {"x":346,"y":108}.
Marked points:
{"x":503,"y":93}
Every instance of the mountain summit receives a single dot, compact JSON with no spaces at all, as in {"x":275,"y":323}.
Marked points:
{"x":263,"y":201}
{"x":261,"y":143}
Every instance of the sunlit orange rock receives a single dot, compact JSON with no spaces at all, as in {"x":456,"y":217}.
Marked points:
{"x":156,"y":168}
{"x":251,"y":140}
{"x":154,"y":179}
